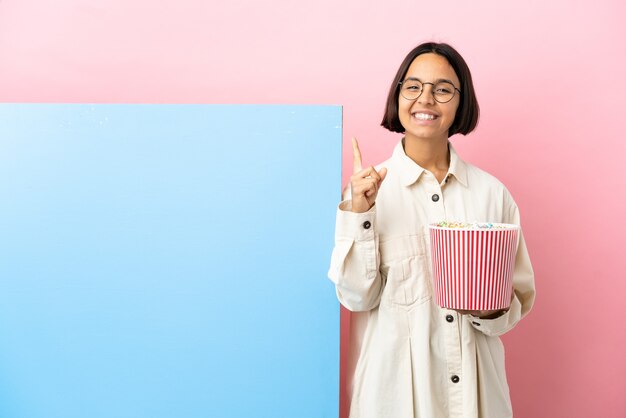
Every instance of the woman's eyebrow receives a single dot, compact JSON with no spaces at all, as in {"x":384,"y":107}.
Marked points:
{"x":439,"y":80}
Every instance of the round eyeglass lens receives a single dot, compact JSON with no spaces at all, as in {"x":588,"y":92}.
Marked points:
{"x":411,"y":89}
{"x":443,"y":91}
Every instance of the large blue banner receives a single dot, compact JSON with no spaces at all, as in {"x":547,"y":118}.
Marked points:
{"x":168,"y":261}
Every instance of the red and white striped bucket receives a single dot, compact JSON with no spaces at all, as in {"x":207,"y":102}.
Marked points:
{"x":473,"y":264}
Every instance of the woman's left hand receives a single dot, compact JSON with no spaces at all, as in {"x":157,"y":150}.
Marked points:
{"x":491,"y":314}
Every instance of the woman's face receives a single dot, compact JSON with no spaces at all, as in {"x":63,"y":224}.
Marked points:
{"x":424,"y":117}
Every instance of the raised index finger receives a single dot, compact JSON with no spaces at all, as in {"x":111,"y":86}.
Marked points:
{"x":356,"y":155}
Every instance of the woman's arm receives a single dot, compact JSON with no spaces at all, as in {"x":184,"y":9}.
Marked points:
{"x":523,"y":285}
{"x":354,"y":266}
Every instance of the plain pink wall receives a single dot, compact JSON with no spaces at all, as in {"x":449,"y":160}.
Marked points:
{"x":550,"y":81}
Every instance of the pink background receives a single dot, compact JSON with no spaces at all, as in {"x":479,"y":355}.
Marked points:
{"x":551,"y":83}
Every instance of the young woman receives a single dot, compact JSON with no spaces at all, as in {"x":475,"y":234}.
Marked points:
{"x":417,"y":359}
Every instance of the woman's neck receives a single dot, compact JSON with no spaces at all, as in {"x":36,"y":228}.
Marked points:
{"x":432,"y":155}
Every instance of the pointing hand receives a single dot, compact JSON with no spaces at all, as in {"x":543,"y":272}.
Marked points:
{"x":364,"y":182}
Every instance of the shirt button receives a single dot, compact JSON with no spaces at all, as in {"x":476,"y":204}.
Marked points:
{"x":449,"y":318}
{"x":367,"y":224}
{"x":455,"y":379}
{"x":435,"y":197}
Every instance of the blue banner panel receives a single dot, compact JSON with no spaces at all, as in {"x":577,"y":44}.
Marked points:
{"x":168,"y":261}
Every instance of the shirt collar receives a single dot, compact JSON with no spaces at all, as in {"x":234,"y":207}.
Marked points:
{"x":458,"y":167}
{"x":410,"y":171}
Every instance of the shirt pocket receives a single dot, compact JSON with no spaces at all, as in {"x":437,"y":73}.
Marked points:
{"x":404,"y":265}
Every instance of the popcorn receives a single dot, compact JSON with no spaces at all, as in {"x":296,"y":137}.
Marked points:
{"x":472,"y":225}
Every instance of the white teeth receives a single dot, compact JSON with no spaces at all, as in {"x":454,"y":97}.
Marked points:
{"x":424,"y":116}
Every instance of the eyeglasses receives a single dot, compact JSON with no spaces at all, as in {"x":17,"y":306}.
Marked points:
{"x":442,"y":91}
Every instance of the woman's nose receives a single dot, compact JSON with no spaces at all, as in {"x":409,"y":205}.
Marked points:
{"x":427,"y":95}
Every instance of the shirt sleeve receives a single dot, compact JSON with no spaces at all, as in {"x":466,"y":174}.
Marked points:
{"x":523,"y":286}
{"x":355,"y":260}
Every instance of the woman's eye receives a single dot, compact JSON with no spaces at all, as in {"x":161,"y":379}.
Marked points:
{"x":444,"y":88}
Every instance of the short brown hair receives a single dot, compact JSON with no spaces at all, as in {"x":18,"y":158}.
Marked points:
{"x":466,"y":117}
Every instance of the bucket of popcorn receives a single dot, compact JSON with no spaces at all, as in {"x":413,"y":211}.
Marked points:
{"x":472,"y":264}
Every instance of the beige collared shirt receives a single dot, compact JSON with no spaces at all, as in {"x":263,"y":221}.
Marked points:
{"x":417,"y":359}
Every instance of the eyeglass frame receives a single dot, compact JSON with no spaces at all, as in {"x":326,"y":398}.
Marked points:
{"x":423,"y":83}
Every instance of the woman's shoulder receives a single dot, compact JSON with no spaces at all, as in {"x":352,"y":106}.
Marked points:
{"x":478,"y":178}
{"x":478,"y":173}
{"x":481,"y":176}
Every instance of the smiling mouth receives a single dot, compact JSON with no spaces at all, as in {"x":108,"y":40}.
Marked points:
{"x":424,"y":116}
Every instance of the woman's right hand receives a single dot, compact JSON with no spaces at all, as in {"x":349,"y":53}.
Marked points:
{"x":364,"y":182}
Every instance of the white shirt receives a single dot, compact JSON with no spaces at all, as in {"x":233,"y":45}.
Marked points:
{"x":417,"y":359}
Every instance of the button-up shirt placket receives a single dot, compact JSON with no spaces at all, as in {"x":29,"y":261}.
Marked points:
{"x":435,"y":202}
